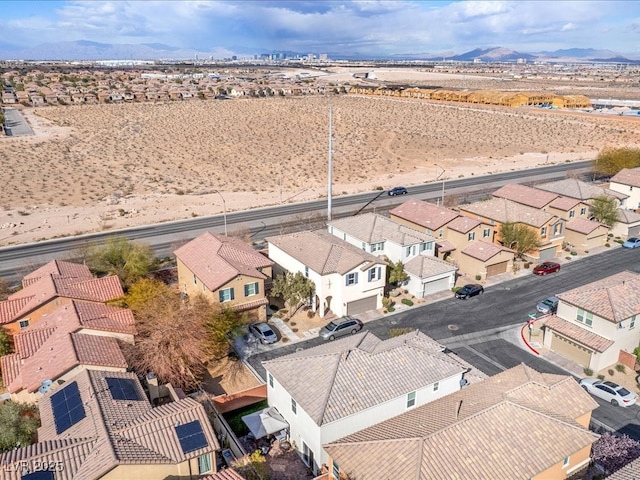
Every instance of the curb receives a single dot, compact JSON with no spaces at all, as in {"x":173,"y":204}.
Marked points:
{"x":525,"y":340}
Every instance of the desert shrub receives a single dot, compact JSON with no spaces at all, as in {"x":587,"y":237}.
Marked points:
{"x":407,"y":302}
{"x":588,"y":372}
{"x":611,"y":372}
{"x":574,"y":253}
{"x":310,"y":314}
{"x":607,"y":244}
{"x":387,"y":302}
{"x":396,"y":332}
{"x":391,"y":309}
{"x":620,"y":368}
{"x":600,"y":377}
{"x":379,"y":188}
{"x":478,"y":277}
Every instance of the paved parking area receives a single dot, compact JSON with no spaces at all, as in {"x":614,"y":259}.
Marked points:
{"x":14,"y":123}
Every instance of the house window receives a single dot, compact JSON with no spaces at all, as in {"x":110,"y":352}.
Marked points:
{"x":557,"y":228}
{"x":486,"y":233}
{"x":565,"y":462}
{"x":204,"y":463}
{"x":336,"y":471}
{"x":408,"y":251}
{"x":294,"y":406}
{"x":411,"y":399}
{"x":226,"y":295}
{"x":376,"y":247}
{"x":251,"y":289}
{"x":306,"y":272}
{"x":429,"y":231}
{"x":364,"y":246}
{"x":543,"y":232}
{"x":374,"y":273}
{"x":585,"y":317}
{"x":572,"y":213}
{"x":436,"y":386}
{"x":583,"y":211}
{"x":441,"y":233}
{"x":24,"y":323}
{"x":471,"y":236}
{"x":195,"y":279}
{"x":352,"y":278}
{"x":271,"y":380}
{"x":632,"y":322}
{"x":426,"y":246}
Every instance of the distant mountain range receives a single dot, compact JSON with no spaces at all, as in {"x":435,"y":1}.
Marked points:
{"x":86,"y":50}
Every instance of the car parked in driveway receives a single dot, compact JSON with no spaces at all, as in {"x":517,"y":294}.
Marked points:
{"x":613,"y":393}
{"x":263,"y":332}
{"x":469,"y":291}
{"x":340,"y":327}
{"x":632,"y":242}
{"x":546,"y":267}
{"x":397,"y":191}
{"x":548,"y":305}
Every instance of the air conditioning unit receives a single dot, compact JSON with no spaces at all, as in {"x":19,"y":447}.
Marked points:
{"x":622,"y":324}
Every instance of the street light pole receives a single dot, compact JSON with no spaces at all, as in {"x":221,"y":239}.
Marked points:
{"x":441,"y":173}
{"x":224,"y":211}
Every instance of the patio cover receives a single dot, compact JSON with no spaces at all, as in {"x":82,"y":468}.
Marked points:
{"x":265,"y":422}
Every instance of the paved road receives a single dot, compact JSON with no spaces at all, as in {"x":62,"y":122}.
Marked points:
{"x":485,"y":325}
{"x":14,"y":123}
{"x":165,"y":237}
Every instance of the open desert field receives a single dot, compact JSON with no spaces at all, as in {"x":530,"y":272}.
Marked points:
{"x":110,"y":166}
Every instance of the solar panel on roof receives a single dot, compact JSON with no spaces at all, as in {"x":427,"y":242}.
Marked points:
{"x":191,"y":436}
{"x":67,"y":407}
{"x":122,"y":388}
{"x":39,"y":475}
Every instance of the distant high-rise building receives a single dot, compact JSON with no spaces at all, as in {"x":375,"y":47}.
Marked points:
{"x":323,"y":57}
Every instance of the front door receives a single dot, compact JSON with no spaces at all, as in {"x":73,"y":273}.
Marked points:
{"x":307,"y":456}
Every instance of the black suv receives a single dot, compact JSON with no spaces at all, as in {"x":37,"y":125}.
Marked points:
{"x":470,"y":290}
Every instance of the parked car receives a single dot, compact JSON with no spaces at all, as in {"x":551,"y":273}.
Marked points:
{"x":548,"y":305}
{"x":338,"y":328}
{"x":263,"y":332}
{"x":397,"y":191}
{"x":611,"y":392}
{"x":632,"y":242}
{"x":546,"y":267}
{"x":470,"y":290}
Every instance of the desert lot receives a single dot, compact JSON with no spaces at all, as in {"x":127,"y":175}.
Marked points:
{"x":89,"y":168}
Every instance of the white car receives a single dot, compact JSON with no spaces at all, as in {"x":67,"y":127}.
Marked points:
{"x":616,"y":394}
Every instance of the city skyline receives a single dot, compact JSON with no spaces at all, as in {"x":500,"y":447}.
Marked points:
{"x":230,"y":27}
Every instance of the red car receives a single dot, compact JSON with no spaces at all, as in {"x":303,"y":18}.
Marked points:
{"x":546,"y":267}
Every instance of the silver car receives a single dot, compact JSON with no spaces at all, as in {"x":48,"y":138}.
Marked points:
{"x":338,"y":328}
{"x":548,"y":305}
{"x":263,"y":332}
{"x":616,"y":394}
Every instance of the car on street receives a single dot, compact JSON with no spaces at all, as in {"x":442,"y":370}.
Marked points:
{"x":263,"y":332}
{"x":548,"y":305}
{"x":340,"y":327}
{"x":397,"y":191}
{"x":632,"y":242}
{"x":470,"y":290}
{"x":546,"y":267}
{"x":613,"y":393}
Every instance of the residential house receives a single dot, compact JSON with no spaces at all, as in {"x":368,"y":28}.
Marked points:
{"x":595,"y":324}
{"x":631,"y":471}
{"x":568,"y":208}
{"x":627,"y":182}
{"x":51,"y":286}
{"x":227,"y":271}
{"x":628,"y":224}
{"x":551,"y":202}
{"x":100,"y":424}
{"x":341,"y":387}
{"x":517,"y":424}
{"x":497,"y":211}
{"x":347,"y":279}
{"x":424,"y":217}
{"x":385,"y":238}
{"x":572,"y":187}
{"x":79,"y":335}
{"x":583,"y":234}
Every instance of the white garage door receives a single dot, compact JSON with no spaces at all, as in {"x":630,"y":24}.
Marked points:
{"x":362,"y":305}
{"x":548,"y":254}
{"x":435,"y":286}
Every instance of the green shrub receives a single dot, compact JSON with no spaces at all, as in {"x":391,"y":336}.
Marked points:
{"x":478,"y":277}
{"x":620,"y":368}
{"x":574,"y":253}
{"x":607,"y":244}
{"x":391,"y":309}
{"x":588,"y":372}
{"x":611,"y":372}
{"x":379,"y":188}
{"x":396,"y":332}
{"x":407,"y":302}
{"x":600,"y":377}
{"x":455,"y":289}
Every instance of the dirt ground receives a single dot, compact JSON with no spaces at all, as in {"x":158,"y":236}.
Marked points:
{"x":227,"y":376}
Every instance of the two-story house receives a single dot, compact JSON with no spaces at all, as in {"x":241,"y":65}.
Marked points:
{"x":347,"y":279}
{"x":596,"y":322}
{"x":572,"y":187}
{"x":516,"y":424}
{"x":497,"y":211}
{"x":341,"y":387}
{"x":100,"y":424}
{"x":627,"y":182}
{"x":424,"y":217}
{"x":52,"y":286}
{"x":227,"y":271}
{"x":388,"y":239}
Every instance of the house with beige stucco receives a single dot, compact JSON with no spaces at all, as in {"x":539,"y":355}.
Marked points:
{"x":226,"y":271}
{"x":583,"y":234}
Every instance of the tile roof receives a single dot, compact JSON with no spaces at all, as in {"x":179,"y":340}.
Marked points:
{"x":627,"y":176}
{"x":502,"y":210}
{"x":628,"y":216}
{"x":484,"y":251}
{"x":579,"y":334}
{"x":353,"y":374}
{"x":614,"y":298}
{"x":565,"y":203}
{"x":445,"y":246}
{"x":226,"y":474}
{"x":322,"y":252}
{"x":423,"y":266}
{"x":572,"y":187}
{"x":525,"y":195}
{"x":217,"y":259}
{"x":463,"y":224}
{"x":631,"y":471}
{"x":582,"y":225}
{"x":58,"y":267}
{"x":496,"y":428}
{"x":374,"y":228}
{"x":425,"y":214}
{"x":113,"y":432}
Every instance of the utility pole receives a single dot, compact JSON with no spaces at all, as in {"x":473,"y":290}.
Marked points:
{"x":330,"y":178}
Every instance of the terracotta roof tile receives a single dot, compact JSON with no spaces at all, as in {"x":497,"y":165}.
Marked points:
{"x":484,"y":251}
{"x":226,"y":474}
{"x":423,"y":266}
{"x":463,"y":224}
{"x":10,"y":365}
{"x":627,"y":176}
{"x":572,"y":187}
{"x":374,"y":228}
{"x":58,"y":267}
{"x":445,"y":246}
{"x":579,"y":334}
{"x":525,"y":195}
{"x":28,"y":341}
{"x":565,"y":203}
{"x":502,"y":210}
{"x":425,"y":214}
{"x":217,"y":259}
{"x":582,"y":225}
{"x":628,"y":216}
{"x":631,"y":471}
{"x":98,"y":350}
{"x":10,"y":308}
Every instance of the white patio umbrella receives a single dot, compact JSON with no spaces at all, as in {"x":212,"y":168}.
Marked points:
{"x":265,"y":422}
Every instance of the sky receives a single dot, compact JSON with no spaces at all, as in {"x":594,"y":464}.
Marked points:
{"x":368,"y":27}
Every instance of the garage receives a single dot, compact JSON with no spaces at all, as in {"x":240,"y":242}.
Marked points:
{"x":571,"y":350}
{"x":362,"y":305}
{"x":435,"y":286}
{"x":634,"y":231}
{"x":548,"y":253}
{"x":497,"y":269}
